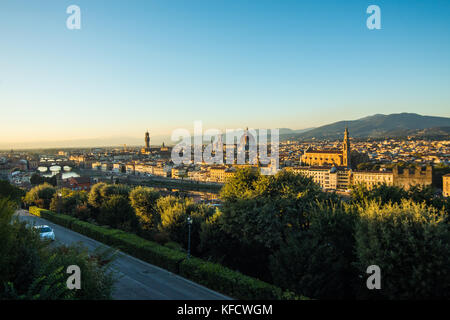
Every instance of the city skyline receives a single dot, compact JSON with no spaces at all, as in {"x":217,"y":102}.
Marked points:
{"x":219,"y":150}
{"x":162,"y":66}
{"x":416,"y":122}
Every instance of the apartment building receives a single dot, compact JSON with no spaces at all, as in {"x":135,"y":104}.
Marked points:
{"x":329,"y":178}
{"x":373,"y":178}
{"x":341,"y":178}
{"x":221,"y":173}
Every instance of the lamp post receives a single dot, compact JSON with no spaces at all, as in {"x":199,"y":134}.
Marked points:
{"x":59,"y":201}
{"x":189,"y":222}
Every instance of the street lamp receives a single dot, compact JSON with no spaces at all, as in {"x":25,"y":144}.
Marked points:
{"x":59,"y":201}
{"x":189,"y":222}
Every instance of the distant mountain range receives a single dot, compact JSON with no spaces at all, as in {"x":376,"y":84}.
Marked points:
{"x":376,"y":126}
{"x":379,"y":126}
{"x":287,"y":131}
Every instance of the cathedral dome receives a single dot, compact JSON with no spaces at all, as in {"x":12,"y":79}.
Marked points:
{"x":247,"y":139}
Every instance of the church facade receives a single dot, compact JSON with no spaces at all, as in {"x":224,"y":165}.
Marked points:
{"x":331,"y":157}
{"x":332,"y":170}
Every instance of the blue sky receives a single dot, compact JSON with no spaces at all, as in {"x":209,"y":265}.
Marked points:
{"x":160,"y":65}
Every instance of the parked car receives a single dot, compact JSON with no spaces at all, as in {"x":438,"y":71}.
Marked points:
{"x":45,"y":232}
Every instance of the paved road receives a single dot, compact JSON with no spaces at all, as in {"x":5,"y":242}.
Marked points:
{"x":138,"y":280}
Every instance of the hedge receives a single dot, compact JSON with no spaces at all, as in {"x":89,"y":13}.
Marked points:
{"x":211,"y":275}
{"x":130,"y":243}
{"x":222,"y":279}
{"x":61,"y":219}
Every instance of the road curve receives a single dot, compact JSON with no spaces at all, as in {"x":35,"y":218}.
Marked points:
{"x":138,"y":280}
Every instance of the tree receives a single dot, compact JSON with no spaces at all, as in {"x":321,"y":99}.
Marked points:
{"x":97,"y":281}
{"x":240,"y":185}
{"x":240,"y":249}
{"x":40,"y":196}
{"x":439,"y":170}
{"x":366,"y":166}
{"x":95,"y":198}
{"x":37,"y":179}
{"x":68,"y":201}
{"x":101,"y":192}
{"x":32,"y":269}
{"x":382,"y":193}
{"x":19,"y":250}
{"x":109,"y":190}
{"x":116,"y":212}
{"x":174,"y":212}
{"x":143,"y":200}
{"x":83,"y":212}
{"x":318,"y":262}
{"x":11,"y":192}
{"x":357,"y":159}
{"x":258,"y":214}
{"x":428,"y":194}
{"x":410,"y":242}
{"x":393,"y":194}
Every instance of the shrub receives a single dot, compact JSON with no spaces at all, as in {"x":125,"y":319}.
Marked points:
{"x":98,"y":233}
{"x":160,"y":237}
{"x":19,"y":248}
{"x":229,"y":282}
{"x":82,"y":212}
{"x":31,"y":269}
{"x":410,"y":243}
{"x":174,"y":246}
{"x":97,"y":280}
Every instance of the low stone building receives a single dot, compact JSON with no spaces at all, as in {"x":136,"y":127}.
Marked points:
{"x":409,"y":177}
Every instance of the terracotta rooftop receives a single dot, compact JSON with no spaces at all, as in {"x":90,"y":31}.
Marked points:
{"x":324,"y":151}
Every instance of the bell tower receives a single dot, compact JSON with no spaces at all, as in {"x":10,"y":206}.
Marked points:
{"x":147,"y":140}
{"x":346,"y":149}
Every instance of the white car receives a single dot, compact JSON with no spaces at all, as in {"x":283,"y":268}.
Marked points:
{"x":45,"y":232}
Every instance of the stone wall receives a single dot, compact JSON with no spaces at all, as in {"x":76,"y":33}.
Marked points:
{"x":407,"y":177}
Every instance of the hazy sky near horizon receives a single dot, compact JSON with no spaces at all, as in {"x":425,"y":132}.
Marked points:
{"x":162,"y":64}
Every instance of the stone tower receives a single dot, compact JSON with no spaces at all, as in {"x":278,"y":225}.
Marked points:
{"x":147,"y":140}
{"x":346,"y":149}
